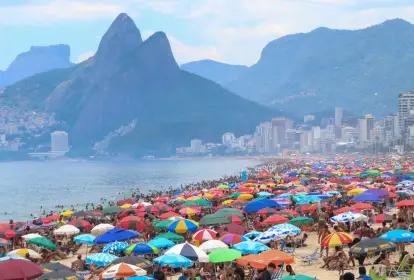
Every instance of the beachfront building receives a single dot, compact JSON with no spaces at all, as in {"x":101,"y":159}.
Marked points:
{"x":405,"y":105}
{"x":339,"y":113}
{"x":196,"y":146}
{"x":59,"y":142}
{"x":227,"y":138}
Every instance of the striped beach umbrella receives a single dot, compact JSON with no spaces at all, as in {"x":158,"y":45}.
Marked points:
{"x":183,"y":226}
{"x":142,"y":249}
{"x":132,"y":222}
{"x":337,"y":239}
{"x":101,"y":259}
{"x":205,"y":234}
{"x":189,"y":211}
{"x":189,"y":251}
{"x":81,"y":224}
{"x":123,"y":270}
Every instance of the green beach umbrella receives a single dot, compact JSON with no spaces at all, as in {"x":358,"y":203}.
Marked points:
{"x":163,"y":224}
{"x":43,"y":242}
{"x":213,"y":219}
{"x":228,"y":211}
{"x":298,"y":277}
{"x":112,"y":210}
{"x":199,"y":202}
{"x":236,"y":194}
{"x":171,"y":236}
{"x":223,"y":186}
{"x":301,"y":221}
{"x":224,"y":255}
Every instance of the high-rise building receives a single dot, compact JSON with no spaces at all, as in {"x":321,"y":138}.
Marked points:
{"x":227,"y":138}
{"x":339,"y":113}
{"x":370,"y":124}
{"x":290,"y":138}
{"x":308,"y":118}
{"x":279,"y":127}
{"x":196,"y":146}
{"x":316,"y":132}
{"x":405,"y":105}
{"x":363,"y":134}
{"x":59,"y":142}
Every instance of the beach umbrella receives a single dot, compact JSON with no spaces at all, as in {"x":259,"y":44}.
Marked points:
{"x":188,"y":211}
{"x":23,"y":252}
{"x":132,"y":222}
{"x":49,"y":267}
{"x":363,"y":206}
{"x":43,"y":242}
{"x":301,"y":221}
{"x":174,"y":261}
{"x":224,"y":255}
{"x":123,"y":270}
{"x":84,"y":239}
{"x":304,"y":208}
{"x":337,"y":239}
{"x":134,"y":260}
{"x":213,"y":219}
{"x":168,"y":215}
{"x":252,"y":234}
{"x":161,"y":243}
{"x":142,"y":249}
{"x":264,"y":194}
{"x":263,"y":259}
{"x":267,"y":211}
{"x":80,"y":224}
{"x":367,"y":197}
{"x":372,"y":246}
{"x":228,"y":201}
{"x":141,"y":278}
{"x":116,"y":234}
{"x":223,"y":187}
{"x":232,"y":228}
{"x":7,"y":233}
{"x":270,"y":235}
{"x":101,"y":259}
{"x":290,"y":212}
{"x":171,"y":236}
{"x":398,"y":235}
{"x":15,"y":269}
{"x":232,"y":239}
{"x":112,"y":210}
{"x":286,"y":228}
{"x":245,"y":196}
{"x":60,"y":274}
{"x":257,"y":205}
{"x":345,"y":209}
{"x":349,"y":217}
{"x":80,"y":214}
{"x":227,"y":211}
{"x":205,"y":234}
{"x":212,"y":245}
{"x":4,"y":242}
{"x":95,"y":215}
{"x":250,"y":247}
{"x":101,"y":229}
{"x":274,"y":220}
{"x":404,"y":203}
{"x":115,"y":247}
{"x":66,"y":230}
{"x":163,"y":225}
{"x":183,"y":225}
{"x":234,"y":219}
{"x":298,"y":277}
{"x":189,"y":251}
{"x":152,"y":209}
{"x":41,"y":221}
{"x":383,"y":218}
{"x":67,"y":213}
{"x":125,"y":206}
{"x":199,"y":202}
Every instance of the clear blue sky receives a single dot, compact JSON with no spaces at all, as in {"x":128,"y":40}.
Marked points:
{"x":233,"y":31}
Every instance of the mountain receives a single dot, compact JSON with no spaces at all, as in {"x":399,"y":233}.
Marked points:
{"x":362,"y":71}
{"x":36,"y":60}
{"x":130,"y":81}
{"x":218,"y":72}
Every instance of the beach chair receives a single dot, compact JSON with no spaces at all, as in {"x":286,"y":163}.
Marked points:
{"x":401,"y":268}
{"x":279,"y":273}
{"x":373,"y":274}
{"x":311,"y":258}
{"x":284,"y":248}
{"x":405,"y":275}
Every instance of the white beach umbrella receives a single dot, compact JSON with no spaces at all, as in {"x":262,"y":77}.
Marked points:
{"x":29,"y":236}
{"x":189,"y":251}
{"x":101,"y":229}
{"x":349,"y":217}
{"x":22,"y":253}
{"x":122,"y":269}
{"x":212,"y":245}
{"x":66,"y":230}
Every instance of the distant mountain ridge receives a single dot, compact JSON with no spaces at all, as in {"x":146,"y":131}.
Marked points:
{"x":37,"y":60}
{"x":218,"y":72}
{"x":133,"y":81}
{"x":363,"y":70}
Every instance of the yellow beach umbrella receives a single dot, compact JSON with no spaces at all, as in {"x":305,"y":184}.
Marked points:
{"x":337,"y":239}
{"x":67,"y":213}
{"x":209,"y":195}
{"x":356,"y":191}
{"x":125,"y":206}
{"x":22,"y":253}
{"x":193,"y":198}
{"x":228,"y":201}
{"x":245,"y":196}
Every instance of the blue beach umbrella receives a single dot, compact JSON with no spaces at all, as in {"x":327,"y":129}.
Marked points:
{"x":84,"y":239}
{"x":256,"y":205}
{"x":142,"y":249}
{"x":252,"y":234}
{"x":115,"y":247}
{"x":367,"y":197}
{"x":264,"y":194}
{"x":398,"y":235}
{"x":286,"y":228}
{"x":116,"y":234}
{"x":161,"y":243}
{"x":173,"y":260}
{"x":268,"y":236}
{"x":101,"y":259}
{"x":349,"y":217}
{"x":250,"y":247}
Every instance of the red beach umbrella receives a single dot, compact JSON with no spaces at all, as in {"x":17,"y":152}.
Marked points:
{"x":291,"y":212}
{"x":14,"y":269}
{"x":126,"y":201}
{"x":234,"y":219}
{"x":7,"y":233}
{"x":267,"y":211}
{"x":345,"y":209}
{"x":41,"y":221}
{"x":383,"y":218}
{"x":167,"y":215}
{"x":363,"y":206}
{"x":81,"y":224}
{"x":152,"y":210}
{"x":405,"y":202}
{"x":132,"y":222}
{"x":275,"y":220}
{"x":232,"y":228}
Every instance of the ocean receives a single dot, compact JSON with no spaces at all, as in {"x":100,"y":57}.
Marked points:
{"x":27,"y":185}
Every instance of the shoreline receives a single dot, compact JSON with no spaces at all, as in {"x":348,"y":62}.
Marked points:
{"x":132,"y":192}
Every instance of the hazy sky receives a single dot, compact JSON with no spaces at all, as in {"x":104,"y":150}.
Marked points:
{"x":233,"y":31}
